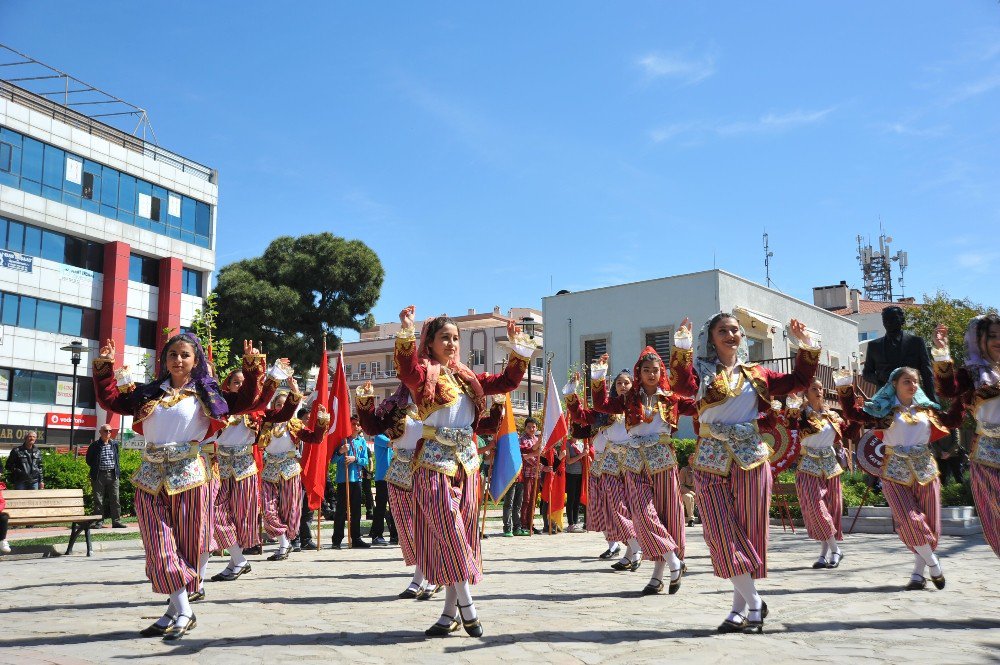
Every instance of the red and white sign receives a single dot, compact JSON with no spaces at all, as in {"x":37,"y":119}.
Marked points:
{"x":61,"y":421}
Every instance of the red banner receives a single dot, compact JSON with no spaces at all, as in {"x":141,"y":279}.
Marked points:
{"x":61,"y":421}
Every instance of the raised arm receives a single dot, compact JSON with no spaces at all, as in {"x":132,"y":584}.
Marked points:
{"x":518,"y":360}
{"x":115,"y":390}
{"x":599,"y":393}
{"x":409,"y":369}
{"x":950,"y":382}
{"x":364,"y":405}
{"x":578,"y":413}
{"x":247,"y":398}
{"x":849,"y":405}
{"x":682,"y":377}
{"x":288,"y":409}
{"x":806,"y":362}
{"x":316,"y":435}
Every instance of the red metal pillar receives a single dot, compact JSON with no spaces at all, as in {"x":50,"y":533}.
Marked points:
{"x":114,"y":300}
{"x":168,"y":321}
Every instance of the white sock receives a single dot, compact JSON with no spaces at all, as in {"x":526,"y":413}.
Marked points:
{"x":203,"y":568}
{"x":463,"y":592}
{"x":179,"y":599}
{"x":833,"y":546}
{"x":612,"y":544}
{"x":739,"y":603}
{"x":283,"y":542}
{"x":168,"y":616}
{"x":633,"y":547}
{"x":919,"y":565}
{"x":418,"y":578}
{"x":658,"y":568}
{"x":675,"y":566}
{"x":825,"y":550}
{"x":450,"y":606}
{"x":927,"y":554}
{"x":745,"y":585}
{"x":236,"y":558}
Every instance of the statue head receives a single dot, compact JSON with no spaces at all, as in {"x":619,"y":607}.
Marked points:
{"x":893,"y":318}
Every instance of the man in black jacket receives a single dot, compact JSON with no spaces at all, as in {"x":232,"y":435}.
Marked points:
{"x":24,"y":465}
{"x":897,"y":349}
{"x":105,"y":469}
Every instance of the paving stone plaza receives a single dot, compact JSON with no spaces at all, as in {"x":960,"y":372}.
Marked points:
{"x":545,"y":599}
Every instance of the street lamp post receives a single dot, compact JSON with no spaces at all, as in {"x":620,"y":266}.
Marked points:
{"x":528,"y":323}
{"x":76,"y":350}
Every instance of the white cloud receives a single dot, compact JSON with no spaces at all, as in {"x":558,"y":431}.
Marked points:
{"x":767,"y":123}
{"x":689,"y":71}
{"x":979,"y":262}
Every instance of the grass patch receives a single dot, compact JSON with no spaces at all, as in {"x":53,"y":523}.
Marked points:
{"x":62,"y":540}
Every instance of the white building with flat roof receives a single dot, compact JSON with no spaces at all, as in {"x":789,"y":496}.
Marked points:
{"x":621,"y":320}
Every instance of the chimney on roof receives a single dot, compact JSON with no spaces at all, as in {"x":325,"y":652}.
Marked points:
{"x":832,"y":297}
{"x":908,"y":301}
{"x":472,"y":311}
{"x":496,"y":309}
{"x":855,"y":301}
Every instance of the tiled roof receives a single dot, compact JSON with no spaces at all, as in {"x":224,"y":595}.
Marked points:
{"x":871,"y":307}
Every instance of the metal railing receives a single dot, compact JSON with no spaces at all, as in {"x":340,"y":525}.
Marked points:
{"x":824,"y":373}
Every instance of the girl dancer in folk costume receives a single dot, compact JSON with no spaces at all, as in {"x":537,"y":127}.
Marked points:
{"x":977,"y":387}
{"x":907,"y":421}
{"x":817,"y":478}
{"x":609,"y":435}
{"x":282,"y":491}
{"x":649,"y":464}
{"x":174,"y":413}
{"x":450,"y":400}
{"x":237,"y":506}
{"x":730,"y":461}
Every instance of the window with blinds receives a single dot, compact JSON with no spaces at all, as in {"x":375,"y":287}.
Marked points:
{"x":660,"y":340}
{"x":592,"y":350}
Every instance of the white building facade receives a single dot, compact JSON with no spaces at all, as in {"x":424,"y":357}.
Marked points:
{"x":103,"y":235}
{"x":622,"y":320}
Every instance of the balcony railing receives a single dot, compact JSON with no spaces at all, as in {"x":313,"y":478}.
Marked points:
{"x":373,"y":376}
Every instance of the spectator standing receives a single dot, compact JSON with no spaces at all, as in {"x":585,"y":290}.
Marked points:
{"x":24,"y":465}
{"x":512,"y":501}
{"x":382,"y":516}
{"x":531,"y":448}
{"x":353,"y":453}
{"x":103,"y":458}
{"x":366,"y":481}
{"x":949,"y":454}
{"x":574,"y":484}
{"x":4,"y":518}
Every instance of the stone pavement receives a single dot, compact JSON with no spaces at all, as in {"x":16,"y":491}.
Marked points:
{"x":545,"y":599}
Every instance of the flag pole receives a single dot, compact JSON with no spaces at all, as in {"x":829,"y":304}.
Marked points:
{"x":326,"y":471}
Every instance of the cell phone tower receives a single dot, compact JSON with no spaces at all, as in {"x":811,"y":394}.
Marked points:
{"x":876,"y":267}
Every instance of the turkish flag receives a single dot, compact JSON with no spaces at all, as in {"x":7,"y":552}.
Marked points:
{"x":315,"y":457}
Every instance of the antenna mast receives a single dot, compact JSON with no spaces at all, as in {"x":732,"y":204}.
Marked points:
{"x":876,"y":267}
{"x":767,"y":260}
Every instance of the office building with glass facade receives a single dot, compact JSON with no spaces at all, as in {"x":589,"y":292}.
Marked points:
{"x":102,"y":235}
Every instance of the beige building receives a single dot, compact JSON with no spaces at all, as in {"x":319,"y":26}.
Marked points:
{"x":370,"y":358}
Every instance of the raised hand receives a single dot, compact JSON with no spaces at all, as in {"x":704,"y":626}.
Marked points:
{"x":108,"y":350}
{"x":798,"y":330}
{"x":603,"y":360}
{"x":940,"y":336}
{"x":406,"y":316}
{"x":249,"y":349}
{"x":576,"y":377}
{"x":293,"y":385}
{"x":686,"y":325}
{"x":512,"y":329}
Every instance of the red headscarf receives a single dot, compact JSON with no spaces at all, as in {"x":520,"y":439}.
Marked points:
{"x":633,"y":399}
{"x":433,"y":372}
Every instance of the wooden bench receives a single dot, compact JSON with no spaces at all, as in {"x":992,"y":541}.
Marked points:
{"x":784,"y":496}
{"x":38,"y":507}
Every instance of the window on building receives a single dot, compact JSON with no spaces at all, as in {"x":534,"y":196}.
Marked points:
{"x":191,"y":282}
{"x":479,"y":356}
{"x":757,"y":349}
{"x":6,"y":156}
{"x":88,"y":186}
{"x":660,"y":340}
{"x":594,"y":349}
{"x":140,"y":332}
{"x":154,"y":208}
{"x":49,"y":316}
{"x":375,"y":368}
{"x":538,"y":399}
{"x":34,"y":387}
{"x":363,"y":368}
{"x":347,"y":370}
{"x":28,"y":239}
{"x":144,"y":270}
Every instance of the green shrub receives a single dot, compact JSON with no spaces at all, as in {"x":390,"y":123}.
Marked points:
{"x":683,"y":448}
{"x":64,"y":471}
{"x":956,"y":494}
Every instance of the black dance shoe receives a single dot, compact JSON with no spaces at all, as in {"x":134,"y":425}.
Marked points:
{"x":280,"y":555}
{"x":176,"y":632}
{"x":409,"y":593}
{"x":835,"y":562}
{"x":634,"y":566}
{"x":938,"y":581}
{"x":195,"y":596}
{"x":728,"y":626}
{"x":440,"y":630}
{"x":473,"y":627}
{"x":758,"y":625}
{"x":621,"y":565}
{"x":256,"y":549}
{"x":675,"y":585}
{"x":917,"y":585}
{"x":154,"y":630}
{"x":654,"y":587}
{"x":821,"y":563}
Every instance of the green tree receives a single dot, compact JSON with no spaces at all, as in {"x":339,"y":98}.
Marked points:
{"x":953,"y":312}
{"x":205,"y":326}
{"x":297,"y":292}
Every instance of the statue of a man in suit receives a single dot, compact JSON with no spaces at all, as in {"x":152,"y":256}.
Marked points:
{"x":897,"y":349}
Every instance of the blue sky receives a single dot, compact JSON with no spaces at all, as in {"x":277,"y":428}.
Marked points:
{"x":494,"y":154}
